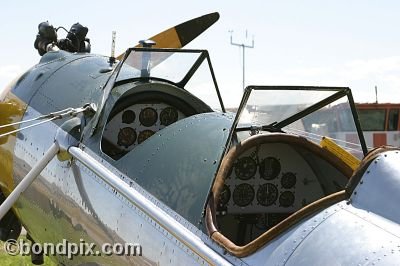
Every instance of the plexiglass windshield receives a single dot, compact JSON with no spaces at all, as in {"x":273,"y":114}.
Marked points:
{"x":166,"y":65}
{"x":188,"y":69}
{"x":312,"y":112}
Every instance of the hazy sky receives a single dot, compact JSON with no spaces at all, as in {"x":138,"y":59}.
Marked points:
{"x":331,"y":43}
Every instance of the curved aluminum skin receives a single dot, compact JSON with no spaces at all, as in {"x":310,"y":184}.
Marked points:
{"x":70,"y":201}
{"x":155,"y":195}
{"x":361,"y":231}
{"x":150,"y":209}
{"x":29,"y":178}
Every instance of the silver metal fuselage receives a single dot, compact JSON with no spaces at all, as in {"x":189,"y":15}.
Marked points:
{"x":70,"y":200}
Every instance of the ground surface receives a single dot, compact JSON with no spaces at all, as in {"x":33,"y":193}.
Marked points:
{"x":8,"y":260}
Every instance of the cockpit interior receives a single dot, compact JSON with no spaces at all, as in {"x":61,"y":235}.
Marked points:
{"x":284,"y":164}
{"x":140,"y":113}
{"x":264,"y":181}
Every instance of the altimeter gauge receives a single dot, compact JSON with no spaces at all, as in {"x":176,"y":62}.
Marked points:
{"x":145,"y":134}
{"x":286,"y":199}
{"x":245,"y":168}
{"x":148,"y":117}
{"x":224,"y":196}
{"x":288,"y":180}
{"x":168,"y":116}
{"x":126,"y":137}
{"x":270,"y":168}
{"x":243,"y":195}
{"x":128,"y":117}
{"x":267,"y":194}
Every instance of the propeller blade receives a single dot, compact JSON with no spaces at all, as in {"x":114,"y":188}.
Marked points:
{"x":180,"y":35}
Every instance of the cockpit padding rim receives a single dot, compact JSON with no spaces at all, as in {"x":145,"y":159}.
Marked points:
{"x":253,"y":246}
{"x":151,"y":97}
{"x":185,"y":95}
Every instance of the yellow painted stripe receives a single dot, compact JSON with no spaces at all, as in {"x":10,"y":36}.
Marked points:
{"x":167,"y":39}
{"x":12,"y":110}
{"x":339,"y":152}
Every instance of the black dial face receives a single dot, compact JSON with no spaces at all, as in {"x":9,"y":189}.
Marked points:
{"x":243,"y":195}
{"x":145,"y":134}
{"x":148,"y":117}
{"x":225,"y":196}
{"x":286,"y":199}
{"x":267,"y":194}
{"x":126,"y":137}
{"x":270,"y":168}
{"x":168,"y":116}
{"x":128,"y":117}
{"x":288,"y":180}
{"x":245,"y":168}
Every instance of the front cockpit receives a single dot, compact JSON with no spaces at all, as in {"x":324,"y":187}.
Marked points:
{"x":144,"y":111}
{"x":152,"y":90}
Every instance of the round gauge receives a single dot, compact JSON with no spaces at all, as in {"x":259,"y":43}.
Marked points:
{"x":270,"y":168}
{"x":128,"y":117}
{"x":148,"y":117}
{"x":267,"y":194}
{"x":225,"y":196}
{"x":288,"y":180}
{"x":243,"y":195}
{"x":168,"y":116}
{"x":286,"y":199}
{"x":245,"y":168}
{"x":145,"y":134}
{"x":126,"y":137}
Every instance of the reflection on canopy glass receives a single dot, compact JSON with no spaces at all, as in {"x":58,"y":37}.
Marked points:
{"x":190,"y":69}
{"x":312,"y":113}
{"x":268,"y":106}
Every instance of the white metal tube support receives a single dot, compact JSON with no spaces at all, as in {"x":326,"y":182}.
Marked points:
{"x":28,"y":179}
{"x":158,"y":215}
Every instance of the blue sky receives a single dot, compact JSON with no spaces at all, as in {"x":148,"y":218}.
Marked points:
{"x":332,"y":43}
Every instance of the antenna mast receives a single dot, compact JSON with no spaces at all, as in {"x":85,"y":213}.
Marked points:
{"x":243,"y":46}
{"x":112,"y":57}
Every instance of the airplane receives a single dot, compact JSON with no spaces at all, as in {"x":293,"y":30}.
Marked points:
{"x":141,"y":149}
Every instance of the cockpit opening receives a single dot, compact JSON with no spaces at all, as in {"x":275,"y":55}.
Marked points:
{"x":266,"y":180}
{"x":142,"y":112}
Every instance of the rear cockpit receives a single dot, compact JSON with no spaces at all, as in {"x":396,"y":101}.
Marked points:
{"x":277,"y":172}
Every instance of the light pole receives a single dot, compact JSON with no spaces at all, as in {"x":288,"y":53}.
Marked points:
{"x":243,"y":46}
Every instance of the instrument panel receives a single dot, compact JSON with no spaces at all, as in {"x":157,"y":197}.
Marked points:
{"x":135,"y":124}
{"x":269,"y":178}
